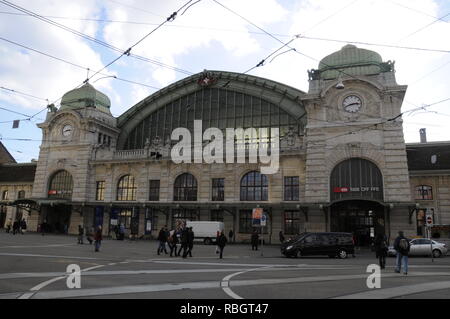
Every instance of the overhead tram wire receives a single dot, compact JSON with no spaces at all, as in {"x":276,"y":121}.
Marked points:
{"x":74,"y":64}
{"x":87,"y":37}
{"x":374,"y":44}
{"x":284,"y":44}
{"x":251,"y":32}
{"x":424,"y":27}
{"x":22,"y":93}
{"x":142,"y":23}
{"x":128,"y":51}
{"x":416,"y":10}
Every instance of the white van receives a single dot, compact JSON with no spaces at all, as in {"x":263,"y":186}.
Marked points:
{"x":205,"y":231}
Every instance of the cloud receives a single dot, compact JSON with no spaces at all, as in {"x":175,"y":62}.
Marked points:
{"x":209,"y":36}
{"x":203,"y":19}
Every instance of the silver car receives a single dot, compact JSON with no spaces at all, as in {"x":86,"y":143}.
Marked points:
{"x":422,"y":247}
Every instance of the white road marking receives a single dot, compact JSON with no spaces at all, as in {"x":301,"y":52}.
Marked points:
{"x":148,"y":272}
{"x":48,"y":256}
{"x":398,"y":291}
{"x":220,"y":264}
{"x":48,"y":282}
{"x":225,"y":284}
{"x":39,"y":246}
{"x":73,"y":293}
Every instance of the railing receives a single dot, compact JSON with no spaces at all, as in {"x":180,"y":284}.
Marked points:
{"x":130,"y":154}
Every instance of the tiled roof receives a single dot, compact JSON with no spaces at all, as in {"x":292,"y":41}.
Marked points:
{"x":17,"y":173}
{"x":428,"y":156}
{"x":5,"y":156}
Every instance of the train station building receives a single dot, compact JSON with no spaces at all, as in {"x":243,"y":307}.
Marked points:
{"x":343,"y":164}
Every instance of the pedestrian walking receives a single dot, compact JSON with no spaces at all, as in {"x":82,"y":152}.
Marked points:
{"x":122,"y":231}
{"x":230,"y":235}
{"x":89,"y":234}
{"x":173,"y":241}
{"x":190,"y":241}
{"x":255,"y":240}
{"x":402,"y":246}
{"x":23,"y":226}
{"x":8,"y":225}
{"x":16,"y":227}
{"x":80,"y":234}
{"x":221,"y":242}
{"x":217,"y":242}
{"x":98,"y":237}
{"x":381,"y":249}
{"x":281,"y":237}
{"x":184,"y":242}
{"x":162,"y":238}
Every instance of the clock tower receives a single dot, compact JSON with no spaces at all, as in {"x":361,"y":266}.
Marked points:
{"x":81,"y":127}
{"x":356,"y":163}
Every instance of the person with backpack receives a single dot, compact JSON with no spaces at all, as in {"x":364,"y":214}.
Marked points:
{"x":221,"y":242}
{"x":402,"y":246}
{"x":381,"y":249}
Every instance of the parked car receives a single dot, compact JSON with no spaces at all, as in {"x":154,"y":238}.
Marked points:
{"x":422,"y":247}
{"x":329,"y":244}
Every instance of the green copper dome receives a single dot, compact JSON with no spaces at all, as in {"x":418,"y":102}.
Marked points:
{"x":85,"y":96}
{"x":353,"y":61}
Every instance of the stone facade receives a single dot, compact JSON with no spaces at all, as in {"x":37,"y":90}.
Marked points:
{"x":90,"y":144}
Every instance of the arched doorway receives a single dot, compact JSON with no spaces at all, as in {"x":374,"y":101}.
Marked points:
{"x":365,"y":219}
{"x":58,"y":213}
{"x":356,"y":191}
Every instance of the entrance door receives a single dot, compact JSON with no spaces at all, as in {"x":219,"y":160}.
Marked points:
{"x":58,"y":218}
{"x":362,"y":218}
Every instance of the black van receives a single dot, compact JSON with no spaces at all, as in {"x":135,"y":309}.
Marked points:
{"x":330,"y":244}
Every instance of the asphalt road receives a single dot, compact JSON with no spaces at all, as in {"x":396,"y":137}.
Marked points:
{"x":35,"y":266}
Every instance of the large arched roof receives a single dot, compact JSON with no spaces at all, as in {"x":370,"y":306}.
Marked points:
{"x":283,"y":96}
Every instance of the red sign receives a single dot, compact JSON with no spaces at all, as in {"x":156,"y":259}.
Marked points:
{"x":429,"y":220}
{"x":52,"y":192}
{"x":341,"y":190}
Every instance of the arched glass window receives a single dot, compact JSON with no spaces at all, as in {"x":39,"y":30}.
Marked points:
{"x":185,"y":188}
{"x":61,"y":185}
{"x":254,"y":187}
{"x":424,"y":192}
{"x":216,"y":107}
{"x":21,"y":194}
{"x":356,"y":178}
{"x":126,"y":188}
{"x":5,"y":195}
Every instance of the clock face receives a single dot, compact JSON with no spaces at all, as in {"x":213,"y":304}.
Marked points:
{"x":67,"y":130}
{"x":352,"y":104}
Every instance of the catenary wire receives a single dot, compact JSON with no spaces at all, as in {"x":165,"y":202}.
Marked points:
{"x":87,"y":37}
